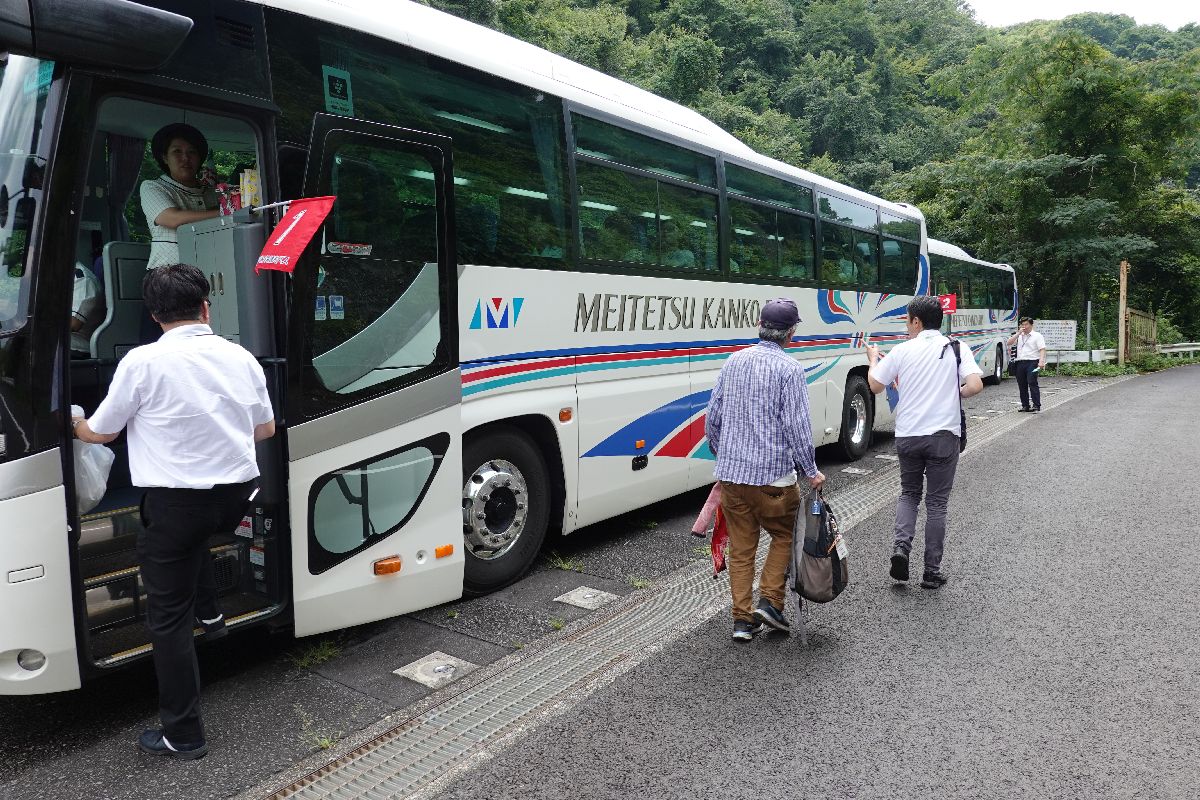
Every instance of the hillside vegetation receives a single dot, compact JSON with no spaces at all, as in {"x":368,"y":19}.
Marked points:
{"x":1059,"y":147}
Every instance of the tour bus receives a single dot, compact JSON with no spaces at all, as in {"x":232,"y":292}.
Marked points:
{"x":985,"y":296}
{"x":509,"y":322}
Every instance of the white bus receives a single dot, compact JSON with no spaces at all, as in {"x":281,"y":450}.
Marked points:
{"x":510,"y":321}
{"x":986,"y":300}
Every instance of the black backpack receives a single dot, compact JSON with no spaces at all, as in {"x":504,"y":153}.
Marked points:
{"x":962,"y":413}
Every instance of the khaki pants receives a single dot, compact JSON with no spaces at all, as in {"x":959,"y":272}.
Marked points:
{"x":748,"y":509}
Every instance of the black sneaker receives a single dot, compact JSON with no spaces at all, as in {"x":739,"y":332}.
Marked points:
{"x":772,"y":616}
{"x":154,"y":743}
{"x":933,"y":580}
{"x":744,"y":631}
{"x":899,"y":570}
{"x":212,"y":631}
{"x":1025,"y":409}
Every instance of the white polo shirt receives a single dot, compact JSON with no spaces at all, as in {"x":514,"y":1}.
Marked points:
{"x":191,"y":402}
{"x":1028,"y":347}
{"x":928,"y":383}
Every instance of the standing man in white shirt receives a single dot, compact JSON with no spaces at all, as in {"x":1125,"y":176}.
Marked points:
{"x":928,"y":421}
{"x":194,"y":405}
{"x":1031,"y":358}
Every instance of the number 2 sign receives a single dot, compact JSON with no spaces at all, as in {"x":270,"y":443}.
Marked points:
{"x":949,"y":303}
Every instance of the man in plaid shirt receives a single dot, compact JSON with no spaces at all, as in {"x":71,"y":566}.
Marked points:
{"x":758,"y":426}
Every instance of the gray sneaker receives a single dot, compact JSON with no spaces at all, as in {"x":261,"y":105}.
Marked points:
{"x":744,"y":631}
{"x":772,"y":616}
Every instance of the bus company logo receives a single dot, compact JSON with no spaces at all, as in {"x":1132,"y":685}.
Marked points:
{"x":498,"y":312}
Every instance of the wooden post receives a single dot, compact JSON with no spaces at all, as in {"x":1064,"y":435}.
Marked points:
{"x":1122,"y":315}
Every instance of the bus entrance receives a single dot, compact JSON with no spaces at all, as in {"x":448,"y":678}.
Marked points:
{"x":113,"y":251}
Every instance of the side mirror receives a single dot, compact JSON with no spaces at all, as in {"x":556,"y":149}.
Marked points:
{"x":3,"y":205}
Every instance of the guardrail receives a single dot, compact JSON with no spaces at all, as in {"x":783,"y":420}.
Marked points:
{"x":1084,"y":356}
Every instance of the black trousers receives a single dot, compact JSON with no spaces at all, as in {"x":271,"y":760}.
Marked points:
{"x":1027,"y":383}
{"x":173,"y":554}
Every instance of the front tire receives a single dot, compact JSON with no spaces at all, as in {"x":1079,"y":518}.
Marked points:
{"x":997,"y":369}
{"x":506,"y":508}
{"x":857,"y":419}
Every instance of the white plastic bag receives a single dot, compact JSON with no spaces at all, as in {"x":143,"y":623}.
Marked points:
{"x":93,"y":462}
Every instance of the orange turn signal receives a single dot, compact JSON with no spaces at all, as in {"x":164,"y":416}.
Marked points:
{"x":387,"y":566}
{"x":565,"y":414}
{"x":443,"y":551}
{"x":639,"y":444}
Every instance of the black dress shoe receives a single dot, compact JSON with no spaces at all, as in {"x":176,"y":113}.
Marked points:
{"x":154,"y":743}
{"x":933,"y":580}
{"x":899,"y":564}
{"x":1025,"y":409}
{"x":212,"y":631}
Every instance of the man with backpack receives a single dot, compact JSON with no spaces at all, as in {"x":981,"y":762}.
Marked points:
{"x":758,"y":427}
{"x":931,"y":382}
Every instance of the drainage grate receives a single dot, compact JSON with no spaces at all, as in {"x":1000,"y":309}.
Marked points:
{"x":427,"y":748}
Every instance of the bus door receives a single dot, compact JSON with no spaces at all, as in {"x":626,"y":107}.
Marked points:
{"x":374,"y":436}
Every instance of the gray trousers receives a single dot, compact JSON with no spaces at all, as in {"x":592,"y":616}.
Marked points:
{"x":928,"y":459}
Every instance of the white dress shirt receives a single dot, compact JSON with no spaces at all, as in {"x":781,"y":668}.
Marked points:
{"x":191,"y":402}
{"x":1029,"y":347}
{"x":929,"y":383}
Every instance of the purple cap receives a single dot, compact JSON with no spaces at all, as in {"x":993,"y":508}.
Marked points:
{"x":779,"y":314}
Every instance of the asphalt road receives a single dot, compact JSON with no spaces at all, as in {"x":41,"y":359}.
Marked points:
{"x":1059,"y":662}
{"x":271,"y":701}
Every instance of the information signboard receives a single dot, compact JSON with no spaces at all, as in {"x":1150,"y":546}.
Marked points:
{"x":1058,"y":333}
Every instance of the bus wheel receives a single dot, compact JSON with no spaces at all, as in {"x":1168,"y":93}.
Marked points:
{"x":506,"y":507}
{"x":855,"y":437}
{"x":997,"y":368}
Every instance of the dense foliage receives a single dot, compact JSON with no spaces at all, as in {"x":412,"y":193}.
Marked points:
{"x":1059,"y":147}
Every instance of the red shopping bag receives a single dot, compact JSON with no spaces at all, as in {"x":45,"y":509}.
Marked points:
{"x":720,"y":543}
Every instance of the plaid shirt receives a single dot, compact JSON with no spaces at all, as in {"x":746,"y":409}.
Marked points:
{"x":758,"y":423}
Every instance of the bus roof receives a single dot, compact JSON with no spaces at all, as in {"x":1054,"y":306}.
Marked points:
{"x":441,"y":34}
{"x":940,"y":248}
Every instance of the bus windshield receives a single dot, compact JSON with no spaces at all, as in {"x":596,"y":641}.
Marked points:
{"x":24,"y":86}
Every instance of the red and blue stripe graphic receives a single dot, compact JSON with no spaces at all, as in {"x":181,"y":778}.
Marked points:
{"x":674,"y":430}
{"x":485,"y":376}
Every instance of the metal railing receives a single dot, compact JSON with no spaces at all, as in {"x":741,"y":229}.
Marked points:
{"x":1084,"y":356}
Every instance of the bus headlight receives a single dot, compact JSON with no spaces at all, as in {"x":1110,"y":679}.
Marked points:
{"x":32,"y":660}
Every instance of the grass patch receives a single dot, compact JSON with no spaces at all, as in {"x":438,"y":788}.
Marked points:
{"x":557,"y":624}
{"x":316,"y":653}
{"x":1108,"y":369}
{"x":702,"y":552}
{"x":648,"y":524}
{"x":452,"y":614}
{"x":558,"y":561}
{"x":638,"y":583}
{"x":310,"y":736}
{"x":1094,"y":369}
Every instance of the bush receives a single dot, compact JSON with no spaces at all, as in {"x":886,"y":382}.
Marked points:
{"x":1095,"y":369}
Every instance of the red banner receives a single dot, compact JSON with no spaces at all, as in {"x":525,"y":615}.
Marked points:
{"x":293,"y":233}
{"x":949,"y":303}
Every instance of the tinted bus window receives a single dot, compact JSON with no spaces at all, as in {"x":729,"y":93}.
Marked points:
{"x":899,"y":266}
{"x":844,"y":211}
{"x":768,"y":242}
{"x":748,"y":183}
{"x":610,"y":143}
{"x":508,"y":152}
{"x":848,"y":257}
{"x":900,"y":227}
{"x":634,"y":219}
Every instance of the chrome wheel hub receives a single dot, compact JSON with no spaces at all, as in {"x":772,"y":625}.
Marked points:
{"x":495,"y":500}
{"x":858,"y":418}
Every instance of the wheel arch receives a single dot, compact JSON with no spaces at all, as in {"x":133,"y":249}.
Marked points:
{"x":542,"y":432}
